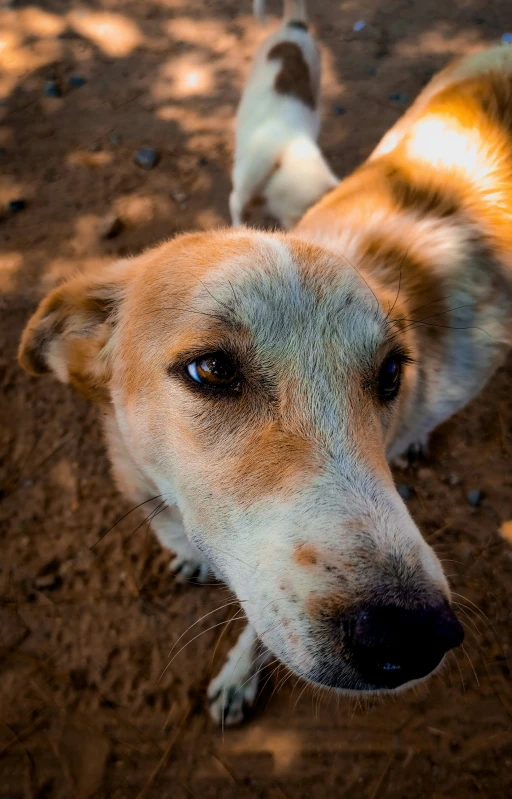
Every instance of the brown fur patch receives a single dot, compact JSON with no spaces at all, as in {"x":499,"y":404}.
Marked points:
{"x":293,"y":78}
{"x":418,"y":283}
{"x":305,"y":555}
{"x":272,"y":460}
{"x":424,"y":198}
{"x":321,"y":605}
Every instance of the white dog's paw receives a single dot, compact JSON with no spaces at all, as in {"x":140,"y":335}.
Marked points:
{"x":229,"y":700}
{"x":188,"y":568}
{"x":418,"y":449}
{"x":233,"y":692}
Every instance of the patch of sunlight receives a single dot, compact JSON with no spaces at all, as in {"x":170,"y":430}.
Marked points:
{"x":283,"y":745}
{"x":85,"y":238}
{"x":441,"y":41}
{"x":17,"y":60}
{"x":115,"y":34}
{"x":37,"y":22}
{"x":183,"y":77}
{"x":89,"y":159}
{"x":208,"y":219}
{"x":62,"y":267}
{"x":141,"y":209}
{"x":10,"y":190}
{"x":208,"y":31}
{"x":10,"y":264}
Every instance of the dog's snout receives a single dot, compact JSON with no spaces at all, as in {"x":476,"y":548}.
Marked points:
{"x":390,"y":645}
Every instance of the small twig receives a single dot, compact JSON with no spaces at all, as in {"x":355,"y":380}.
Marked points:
{"x":382,"y":777}
{"x":165,"y":757}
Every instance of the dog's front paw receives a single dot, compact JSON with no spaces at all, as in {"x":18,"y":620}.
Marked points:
{"x":231,"y":696}
{"x":233,"y":692}
{"x":188,"y":568}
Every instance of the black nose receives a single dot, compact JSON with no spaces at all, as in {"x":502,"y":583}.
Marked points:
{"x":390,"y":645}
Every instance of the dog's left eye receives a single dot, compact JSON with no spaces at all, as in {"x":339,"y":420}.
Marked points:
{"x":216,"y":370}
{"x":389,"y":377}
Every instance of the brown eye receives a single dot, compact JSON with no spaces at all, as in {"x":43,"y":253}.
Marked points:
{"x":216,"y":370}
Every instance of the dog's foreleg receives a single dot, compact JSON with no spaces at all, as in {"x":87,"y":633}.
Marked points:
{"x":233,"y":692}
{"x":188,"y":564}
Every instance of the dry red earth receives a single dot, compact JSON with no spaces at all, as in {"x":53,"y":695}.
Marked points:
{"x":85,"y":631}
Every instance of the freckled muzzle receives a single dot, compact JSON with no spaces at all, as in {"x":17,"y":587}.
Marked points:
{"x":391,"y":645}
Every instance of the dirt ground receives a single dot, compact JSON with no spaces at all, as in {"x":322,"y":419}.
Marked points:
{"x":86,"y":625}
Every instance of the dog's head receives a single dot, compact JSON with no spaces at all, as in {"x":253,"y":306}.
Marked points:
{"x":257,"y":380}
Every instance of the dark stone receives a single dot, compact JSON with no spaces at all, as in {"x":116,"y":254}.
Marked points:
{"x":52,"y":89}
{"x":474,"y":497}
{"x":147,"y":158}
{"x":404,"y":491}
{"x":399,"y":97}
{"x":15,"y":206}
{"x":76,"y":81}
{"x":339,"y":110}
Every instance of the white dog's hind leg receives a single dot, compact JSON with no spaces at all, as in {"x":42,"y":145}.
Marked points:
{"x":235,"y":688}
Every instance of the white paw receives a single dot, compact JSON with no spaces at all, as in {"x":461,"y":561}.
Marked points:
{"x":231,"y":699}
{"x":233,"y":692}
{"x":190,"y":569}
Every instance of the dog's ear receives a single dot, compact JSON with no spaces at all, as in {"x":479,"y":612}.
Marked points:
{"x":72,"y":332}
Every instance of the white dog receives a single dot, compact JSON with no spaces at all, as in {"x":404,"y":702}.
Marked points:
{"x":277,"y":160}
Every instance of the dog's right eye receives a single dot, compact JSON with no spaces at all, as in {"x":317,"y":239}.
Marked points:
{"x":215,"y":370}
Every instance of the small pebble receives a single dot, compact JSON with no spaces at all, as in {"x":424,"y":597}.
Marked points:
{"x":506,"y":38}
{"x":116,"y":139}
{"x":180,"y":198}
{"x":371,"y":71}
{"x":147,"y":158}
{"x":474,"y":497}
{"x":479,"y":20}
{"x":76,"y":81}
{"x":405,"y":491}
{"x":48,"y":581}
{"x":15,"y":206}
{"x":454,"y":480}
{"x":425,"y":474}
{"x":202,"y":161}
{"x":110,"y":226}
{"x":340,"y":110}
{"x":51,"y":89}
{"x":359,"y":25}
{"x":399,"y":97}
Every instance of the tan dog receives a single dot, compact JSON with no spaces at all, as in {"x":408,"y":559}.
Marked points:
{"x":278,"y":163}
{"x":257,"y":383}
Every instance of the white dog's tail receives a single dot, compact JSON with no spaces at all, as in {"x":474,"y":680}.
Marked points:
{"x":293,"y":11}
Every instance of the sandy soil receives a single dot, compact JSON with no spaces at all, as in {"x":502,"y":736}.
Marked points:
{"x":86,"y":627}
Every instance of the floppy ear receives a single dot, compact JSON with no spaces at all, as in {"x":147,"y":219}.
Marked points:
{"x":72,"y":331}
